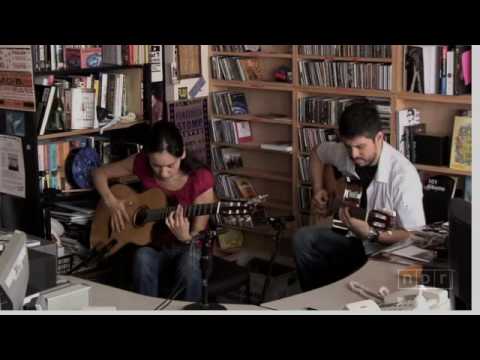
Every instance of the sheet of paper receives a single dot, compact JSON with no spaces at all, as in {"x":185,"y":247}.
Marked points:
{"x":16,"y":78}
{"x":12,"y":166}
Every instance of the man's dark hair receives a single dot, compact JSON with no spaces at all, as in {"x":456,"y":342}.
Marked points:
{"x":359,"y":119}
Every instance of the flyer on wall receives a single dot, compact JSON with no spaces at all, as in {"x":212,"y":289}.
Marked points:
{"x":16,"y":78}
{"x":12,"y":166}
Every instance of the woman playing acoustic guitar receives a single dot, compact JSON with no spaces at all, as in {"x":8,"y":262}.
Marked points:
{"x":164,"y":164}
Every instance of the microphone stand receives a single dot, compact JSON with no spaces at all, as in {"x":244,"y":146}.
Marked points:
{"x":205,"y":239}
{"x":279,"y":225}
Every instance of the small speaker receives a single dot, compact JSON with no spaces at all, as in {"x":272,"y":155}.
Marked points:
{"x":431,"y":150}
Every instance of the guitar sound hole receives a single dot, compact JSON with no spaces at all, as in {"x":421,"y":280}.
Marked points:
{"x":140,"y":217}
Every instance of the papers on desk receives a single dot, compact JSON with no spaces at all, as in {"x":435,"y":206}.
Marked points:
{"x":6,"y":236}
{"x":72,"y":214}
{"x":406,"y":253}
{"x":413,"y":252}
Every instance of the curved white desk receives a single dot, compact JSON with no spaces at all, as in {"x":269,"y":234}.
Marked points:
{"x":373,"y":274}
{"x":103,"y":295}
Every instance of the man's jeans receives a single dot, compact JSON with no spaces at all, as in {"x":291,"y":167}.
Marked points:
{"x":157,"y":273}
{"x":323,"y":256}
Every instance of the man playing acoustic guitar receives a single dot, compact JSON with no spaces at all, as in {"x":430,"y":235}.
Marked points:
{"x":163,"y":164}
{"x":389,"y":181}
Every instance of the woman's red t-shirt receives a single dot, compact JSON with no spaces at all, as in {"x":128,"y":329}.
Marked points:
{"x":198,"y":181}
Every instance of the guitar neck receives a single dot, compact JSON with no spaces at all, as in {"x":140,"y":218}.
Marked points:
{"x":189,"y":211}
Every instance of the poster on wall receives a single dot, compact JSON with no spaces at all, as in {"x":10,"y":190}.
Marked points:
{"x":156,"y":63}
{"x":12,"y":166}
{"x":191,"y":118}
{"x":16,"y":78}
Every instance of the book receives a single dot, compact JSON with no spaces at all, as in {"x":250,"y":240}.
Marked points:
{"x":431,"y":68}
{"x":406,"y":117}
{"x":278,"y":146}
{"x":232,"y":158}
{"x":245,"y":187}
{"x":48,"y":109}
{"x":450,"y":72}
{"x":238,"y":103}
{"x":463,"y":70}
{"x":437,"y":193}
{"x":414,"y":69}
{"x":252,"y":48}
{"x":243,"y":131}
{"x":80,"y":108}
{"x":461,"y":151}
{"x":410,"y":132}
{"x":252,"y":69}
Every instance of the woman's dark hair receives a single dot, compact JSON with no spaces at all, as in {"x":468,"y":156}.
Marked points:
{"x":165,"y":136}
{"x":359,"y":119}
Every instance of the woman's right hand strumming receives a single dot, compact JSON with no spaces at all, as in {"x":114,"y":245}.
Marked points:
{"x":118,"y":214}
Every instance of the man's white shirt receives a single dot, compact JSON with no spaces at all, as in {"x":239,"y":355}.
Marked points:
{"x":396,"y":185}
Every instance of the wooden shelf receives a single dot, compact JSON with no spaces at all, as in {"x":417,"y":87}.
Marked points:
{"x":89,"y":70}
{"x":259,"y":54}
{"x":250,"y":147}
{"x":73,"y":133}
{"x":345,"y":91}
{"x":256,"y":118}
{"x":442,"y":170}
{"x":252,"y":173}
{"x":256,"y":85}
{"x":445,"y":99}
{"x":345,"y":58}
{"x":72,"y":192}
{"x":313,"y":125}
{"x":278,"y":205}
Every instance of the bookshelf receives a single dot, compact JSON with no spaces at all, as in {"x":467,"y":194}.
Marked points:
{"x":270,"y":117}
{"x":437,"y":111}
{"x":134,"y":97}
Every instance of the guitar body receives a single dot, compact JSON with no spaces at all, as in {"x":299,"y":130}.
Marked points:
{"x":101,"y":235}
{"x":347,"y":192}
{"x":335,"y":188}
{"x":147,"y":212}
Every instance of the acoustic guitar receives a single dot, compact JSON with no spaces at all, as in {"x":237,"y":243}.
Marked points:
{"x":147,"y":210}
{"x":347,"y":192}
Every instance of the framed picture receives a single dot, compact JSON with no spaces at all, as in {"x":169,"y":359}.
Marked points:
{"x":461,"y":152}
{"x":183,"y":93}
{"x":189,"y":61}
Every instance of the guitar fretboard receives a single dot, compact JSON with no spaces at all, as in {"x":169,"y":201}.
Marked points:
{"x":190,"y":211}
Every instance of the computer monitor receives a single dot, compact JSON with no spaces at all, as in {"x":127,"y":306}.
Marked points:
{"x":460,"y":252}
{"x":14,"y":273}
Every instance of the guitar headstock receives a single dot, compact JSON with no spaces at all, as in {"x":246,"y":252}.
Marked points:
{"x":241,"y":206}
{"x":352,"y":194}
{"x":239,"y":212}
{"x":381,"y":220}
